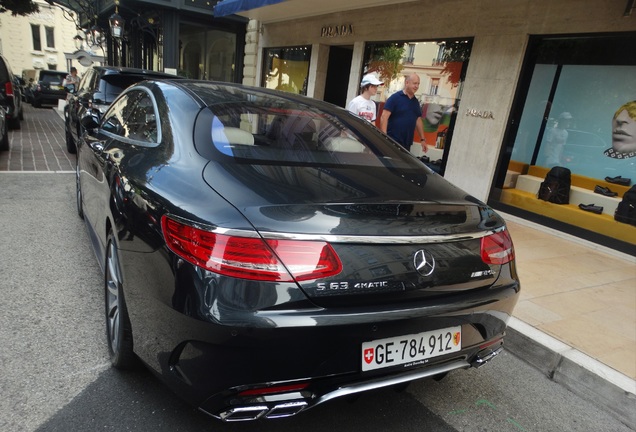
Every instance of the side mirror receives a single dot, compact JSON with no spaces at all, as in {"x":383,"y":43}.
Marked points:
{"x":70,"y":88}
{"x":90,"y":121}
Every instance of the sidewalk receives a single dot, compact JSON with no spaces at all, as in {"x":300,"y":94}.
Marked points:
{"x":576,"y":318}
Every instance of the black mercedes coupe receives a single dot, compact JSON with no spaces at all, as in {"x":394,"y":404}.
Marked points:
{"x":265,"y":252}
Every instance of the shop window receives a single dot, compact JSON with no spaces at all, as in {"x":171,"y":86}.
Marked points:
{"x":575,"y":108}
{"x":441,"y":66}
{"x":35,"y":33}
{"x":207,"y":54}
{"x":572,"y":98}
{"x":287,"y":69}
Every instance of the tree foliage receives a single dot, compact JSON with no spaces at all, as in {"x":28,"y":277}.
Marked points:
{"x":387,"y":61}
{"x":18,"y":7}
{"x":455,"y":54}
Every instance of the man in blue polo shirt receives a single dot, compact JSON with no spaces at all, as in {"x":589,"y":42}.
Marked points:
{"x":402,"y":114}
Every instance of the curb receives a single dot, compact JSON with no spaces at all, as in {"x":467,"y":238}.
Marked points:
{"x":579,"y":373}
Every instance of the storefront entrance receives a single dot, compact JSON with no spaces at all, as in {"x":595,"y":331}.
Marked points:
{"x":337,"y":80}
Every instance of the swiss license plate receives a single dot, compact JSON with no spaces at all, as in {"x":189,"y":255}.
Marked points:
{"x":410,"y":350}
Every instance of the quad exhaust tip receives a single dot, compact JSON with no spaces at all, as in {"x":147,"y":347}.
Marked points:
{"x":256,"y":412}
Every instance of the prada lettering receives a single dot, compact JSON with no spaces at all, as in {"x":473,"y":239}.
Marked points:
{"x":482,"y":114}
{"x":336,"y":31}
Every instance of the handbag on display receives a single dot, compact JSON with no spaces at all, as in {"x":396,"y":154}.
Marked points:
{"x":555,"y":188}
{"x":626,"y":209}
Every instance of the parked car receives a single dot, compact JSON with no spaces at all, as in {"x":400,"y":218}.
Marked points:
{"x":99,"y":86}
{"x":49,"y":88}
{"x":4,"y":133}
{"x":10,"y":97}
{"x":266,"y":252}
{"x":21,"y":84}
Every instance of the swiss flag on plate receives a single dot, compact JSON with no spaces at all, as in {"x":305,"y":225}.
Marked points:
{"x":368,"y":355}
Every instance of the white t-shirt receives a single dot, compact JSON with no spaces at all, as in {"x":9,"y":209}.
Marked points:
{"x":362,"y":107}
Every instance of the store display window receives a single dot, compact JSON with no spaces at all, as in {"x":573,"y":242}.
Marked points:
{"x":287,"y":69}
{"x":441,"y":65}
{"x":575,"y":108}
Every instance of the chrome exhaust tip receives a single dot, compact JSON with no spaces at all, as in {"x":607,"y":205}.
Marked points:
{"x":484,"y":356}
{"x":243,"y":413}
{"x":286,"y":410}
{"x":255,"y":412}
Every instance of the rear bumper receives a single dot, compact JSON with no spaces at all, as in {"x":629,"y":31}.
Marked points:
{"x":212,"y":338}
{"x":212,"y":370}
{"x":48,"y":97}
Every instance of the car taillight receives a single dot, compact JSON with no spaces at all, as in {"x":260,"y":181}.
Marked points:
{"x":497,"y":248}
{"x":8,"y":88}
{"x":251,"y":258}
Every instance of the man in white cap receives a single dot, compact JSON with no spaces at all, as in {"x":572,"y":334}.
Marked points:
{"x":362,"y":105}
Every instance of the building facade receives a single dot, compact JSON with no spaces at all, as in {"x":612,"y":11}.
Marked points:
{"x":504,"y":74}
{"x":176,"y":36}
{"x":37,"y":41}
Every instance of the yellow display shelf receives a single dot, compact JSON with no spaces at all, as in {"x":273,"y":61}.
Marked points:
{"x":571,"y":214}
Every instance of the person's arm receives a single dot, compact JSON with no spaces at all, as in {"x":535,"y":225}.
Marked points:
{"x":419,"y":125}
{"x":384,"y":120}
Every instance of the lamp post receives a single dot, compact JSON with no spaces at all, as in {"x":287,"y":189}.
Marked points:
{"x":78,"y":41}
{"x":116,"y":23}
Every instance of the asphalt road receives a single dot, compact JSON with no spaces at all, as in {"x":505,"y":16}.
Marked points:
{"x":55,"y":375}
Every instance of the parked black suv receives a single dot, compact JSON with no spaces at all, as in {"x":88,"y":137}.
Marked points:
{"x":99,"y":86}
{"x":10,"y":97}
{"x":49,"y":88}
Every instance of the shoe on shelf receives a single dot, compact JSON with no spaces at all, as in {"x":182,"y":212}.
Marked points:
{"x":604,"y":191}
{"x":591,"y":208}
{"x":623,"y":181}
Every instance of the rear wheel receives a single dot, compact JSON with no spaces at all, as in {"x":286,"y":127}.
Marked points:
{"x":78,"y":192}
{"x":70,"y":143}
{"x":118,"y":328}
{"x":14,"y":123}
{"x":4,"y":142}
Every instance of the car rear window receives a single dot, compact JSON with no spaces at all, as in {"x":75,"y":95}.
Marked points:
{"x":268,"y":129}
{"x":52,"y":78}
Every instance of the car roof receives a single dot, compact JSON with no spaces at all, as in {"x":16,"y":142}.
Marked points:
{"x":216,"y":92}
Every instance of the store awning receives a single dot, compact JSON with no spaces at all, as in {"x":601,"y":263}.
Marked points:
{"x":269,"y":11}
{"x":229,"y":7}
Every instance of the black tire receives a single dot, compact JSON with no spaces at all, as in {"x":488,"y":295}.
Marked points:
{"x":78,"y":192}
{"x":70,"y":143}
{"x":118,"y":329}
{"x":36,"y":103}
{"x":14,"y":123}
{"x":4,"y":142}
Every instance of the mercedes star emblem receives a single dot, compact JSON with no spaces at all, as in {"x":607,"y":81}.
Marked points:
{"x":424,"y":262}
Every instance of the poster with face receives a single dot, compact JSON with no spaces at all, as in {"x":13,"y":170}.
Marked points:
{"x":623,"y":132}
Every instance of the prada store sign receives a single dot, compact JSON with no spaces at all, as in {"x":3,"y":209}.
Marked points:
{"x":336,"y":30}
